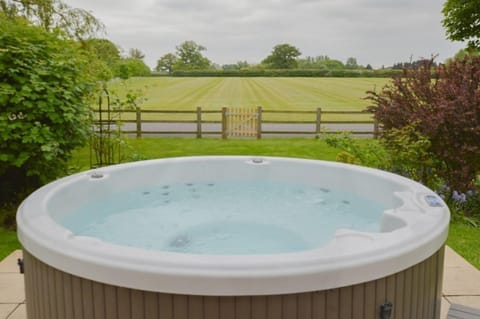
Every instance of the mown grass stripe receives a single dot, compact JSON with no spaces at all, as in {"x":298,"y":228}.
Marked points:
{"x":270,"y":93}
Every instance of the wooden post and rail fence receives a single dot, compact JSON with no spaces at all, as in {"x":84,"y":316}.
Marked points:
{"x":238,"y":122}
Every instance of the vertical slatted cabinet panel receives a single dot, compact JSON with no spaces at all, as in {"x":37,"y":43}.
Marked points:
{"x":407,"y":296}
{"x":165,"y":306}
{"x":138,"y":304}
{"x":429,"y":301}
{"x":390,"y":292}
{"x":68,"y":295}
{"x":243,"y":307}
{"x":305,"y":308}
{"x":438,"y":281}
{"x":289,"y":306}
{"x":414,"y":293}
{"x":227,"y":307}
{"x":259,"y":307}
{"x":98,"y":300}
{"x":398,"y":311}
{"x":420,"y":290}
{"x":319,"y":305}
{"x":111,"y":310}
{"x":151,"y":305}
{"x":333,"y":304}
{"x":380,"y":294}
{"x":195,"y":307}
{"x":346,"y":302}
{"x":211,"y":307}
{"x":180,"y":306}
{"x":59,"y":294}
{"x":29,"y":293}
{"x":358,"y":301}
{"x":87,"y":299}
{"x":274,"y":307}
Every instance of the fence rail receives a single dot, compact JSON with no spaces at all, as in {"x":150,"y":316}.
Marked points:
{"x":139,"y":122}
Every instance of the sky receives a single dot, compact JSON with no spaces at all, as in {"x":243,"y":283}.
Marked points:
{"x":375,"y":32}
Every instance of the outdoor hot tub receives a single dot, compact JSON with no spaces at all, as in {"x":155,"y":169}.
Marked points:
{"x":233,"y":237}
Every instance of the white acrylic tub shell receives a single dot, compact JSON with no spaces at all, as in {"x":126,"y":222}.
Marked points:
{"x":412,"y":230}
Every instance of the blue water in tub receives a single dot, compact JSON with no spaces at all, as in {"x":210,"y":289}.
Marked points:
{"x":225,"y":217}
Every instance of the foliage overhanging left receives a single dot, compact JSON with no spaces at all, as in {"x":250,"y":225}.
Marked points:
{"x":44,"y":114}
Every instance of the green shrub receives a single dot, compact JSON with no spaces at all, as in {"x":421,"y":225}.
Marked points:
{"x":409,"y":153}
{"x":43,"y":106}
{"x":359,"y":151}
{"x":7,"y":216}
{"x":402,"y":151}
{"x":444,"y":104}
{"x":129,"y":67}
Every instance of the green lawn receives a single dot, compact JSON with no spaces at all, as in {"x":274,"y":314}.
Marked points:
{"x":149,"y":148}
{"x":270,"y":93}
{"x":462,"y":238}
{"x":8,"y":242}
{"x":330,"y":94}
{"x":465,"y":240}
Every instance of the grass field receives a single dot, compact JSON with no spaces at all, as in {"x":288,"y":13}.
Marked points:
{"x":331,"y":94}
{"x":151,"y":148}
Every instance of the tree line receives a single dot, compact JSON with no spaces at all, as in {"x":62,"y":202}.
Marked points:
{"x":284,"y":60}
{"x":189,"y":56}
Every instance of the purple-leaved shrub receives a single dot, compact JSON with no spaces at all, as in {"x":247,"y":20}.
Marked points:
{"x":444,"y":104}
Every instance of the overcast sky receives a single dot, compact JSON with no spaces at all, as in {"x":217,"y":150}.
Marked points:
{"x":376,"y":32}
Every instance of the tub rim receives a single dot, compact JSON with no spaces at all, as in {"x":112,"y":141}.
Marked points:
{"x":225,"y":274}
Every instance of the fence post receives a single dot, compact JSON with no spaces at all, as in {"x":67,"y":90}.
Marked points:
{"x":259,"y":122}
{"x":199,"y":122}
{"x":375,"y":128}
{"x":224,"y":122}
{"x":318,"y":122}
{"x":139,"y":122}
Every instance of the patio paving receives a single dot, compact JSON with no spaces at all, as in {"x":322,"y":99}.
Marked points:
{"x":461,"y":285}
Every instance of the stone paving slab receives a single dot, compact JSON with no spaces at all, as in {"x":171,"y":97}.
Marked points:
{"x":7,"y":309}
{"x":9,"y":264}
{"x":12,"y":288}
{"x":444,"y":308}
{"x":460,"y":277}
{"x":19,"y":313}
{"x":469,"y":301}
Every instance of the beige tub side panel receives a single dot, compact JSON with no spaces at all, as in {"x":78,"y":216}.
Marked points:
{"x":414,"y":293}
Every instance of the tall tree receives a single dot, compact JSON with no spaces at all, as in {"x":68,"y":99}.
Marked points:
{"x":351,"y":63}
{"x":320,"y":62}
{"x":190,"y":57}
{"x":104,"y":49}
{"x":54,"y":15}
{"x":461,"y":54}
{"x":462,"y":21}
{"x":166,"y":63}
{"x":237,"y":66}
{"x":129,"y":67}
{"x":283,"y":56}
{"x":104,"y":57}
{"x":136,"y":54}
